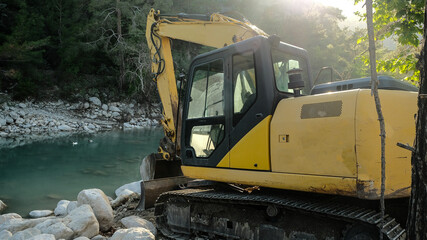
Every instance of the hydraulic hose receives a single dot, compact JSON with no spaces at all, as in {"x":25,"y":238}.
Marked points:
{"x":157,"y":57}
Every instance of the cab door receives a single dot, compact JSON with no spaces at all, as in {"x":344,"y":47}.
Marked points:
{"x":206,"y":139}
{"x":249,"y":133}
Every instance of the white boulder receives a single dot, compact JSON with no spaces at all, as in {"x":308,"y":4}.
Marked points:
{"x":5,"y":235}
{"x":114,"y":109}
{"x":40,"y":213}
{"x":123,"y":197}
{"x":56,"y":228}
{"x":3,"y":122}
{"x":104,"y":107}
{"x":61,"y":208}
{"x":9,"y":120}
{"x":135,"y":221}
{"x":19,"y":120}
{"x":100,"y":205}
{"x":99,"y":237}
{"x":71,"y":206}
{"x":14,"y":115}
{"x":22,"y":113}
{"x":82,"y":238}
{"x":25,"y":234}
{"x":133,"y":234}
{"x":133,"y":186}
{"x":22,"y":105}
{"x":82,"y":221}
{"x":8,"y":216}
{"x":18,"y":224}
{"x":65,"y":128}
{"x":43,"y":237}
{"x":95,"y":101}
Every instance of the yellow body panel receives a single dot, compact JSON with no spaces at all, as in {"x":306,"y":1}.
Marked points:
{"x":327,"y":143}
{"x":399,"y":109}
{"x":298,"y":182}
{"x":225,"y":162}
{"x":316,"y":145}
{"x":252,"y":151}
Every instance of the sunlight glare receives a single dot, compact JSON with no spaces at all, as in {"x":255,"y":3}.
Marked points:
{"x":348,"y":9}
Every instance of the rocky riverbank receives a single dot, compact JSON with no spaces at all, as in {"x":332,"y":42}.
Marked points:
{"x":93,"y":216}
{"x":23,"y":122}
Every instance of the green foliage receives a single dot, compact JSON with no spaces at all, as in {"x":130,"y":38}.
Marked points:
{"x":95,"y":47}
{"x":403,"y":63}
{"x":404,"y":22}
{"x":22,"y":49}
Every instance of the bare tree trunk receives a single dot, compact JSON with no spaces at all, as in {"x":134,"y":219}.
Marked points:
{"x":417,"y":218}
{"x":374,"y":89}
{"x":119,"y":41}
{"x":59,"y":7}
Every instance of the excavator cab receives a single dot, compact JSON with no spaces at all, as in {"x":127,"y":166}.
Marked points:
{"x":231,"y":91}
{"x":231,"y":95}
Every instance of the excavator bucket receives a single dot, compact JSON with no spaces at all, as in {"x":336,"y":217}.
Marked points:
{"x":151,"y":189}
{"x":158,"y":176}
{"x":154,"y":166}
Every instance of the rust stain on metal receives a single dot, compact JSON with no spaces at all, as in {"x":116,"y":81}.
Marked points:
{"x":402,"y":192}
{"x":366,"y":190}
{"x":335,"y":190}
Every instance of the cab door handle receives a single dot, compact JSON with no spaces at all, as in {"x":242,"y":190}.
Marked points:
{"x":259,"y":115}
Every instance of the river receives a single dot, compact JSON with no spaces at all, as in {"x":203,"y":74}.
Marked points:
{"x":38,"y":175}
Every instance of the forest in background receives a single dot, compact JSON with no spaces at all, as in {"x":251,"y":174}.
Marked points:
{"x":73,"y":49}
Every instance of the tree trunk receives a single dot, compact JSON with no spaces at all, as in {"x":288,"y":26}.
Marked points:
{"x":119,"y":42}
{"x":417,"y":217}
{"x":374,"y":89}
{"x":59,"y":7}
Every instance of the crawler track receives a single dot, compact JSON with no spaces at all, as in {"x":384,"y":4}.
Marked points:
{"x":194,"y":212}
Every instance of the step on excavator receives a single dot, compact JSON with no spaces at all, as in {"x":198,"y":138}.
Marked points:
{"x":252,"y":150}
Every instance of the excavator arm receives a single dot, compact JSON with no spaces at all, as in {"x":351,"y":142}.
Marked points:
{"x":215,"y":31}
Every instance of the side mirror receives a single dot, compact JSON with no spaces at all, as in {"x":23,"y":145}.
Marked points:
{"x":295,"y":81}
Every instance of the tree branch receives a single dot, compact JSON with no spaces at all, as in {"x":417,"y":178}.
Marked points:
{"x":374,"y":91}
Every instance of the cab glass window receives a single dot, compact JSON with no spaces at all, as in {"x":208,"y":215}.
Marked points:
{"x":207,"y":91}
{"x":282,"y":63}
{"x":244,"y":84}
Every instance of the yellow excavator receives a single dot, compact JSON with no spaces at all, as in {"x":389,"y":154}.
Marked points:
{"x":280,"y":158}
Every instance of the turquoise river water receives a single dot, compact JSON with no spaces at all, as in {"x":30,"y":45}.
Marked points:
{"x":38,"y":175}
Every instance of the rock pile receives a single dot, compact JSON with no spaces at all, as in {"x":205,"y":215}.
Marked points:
{"x":25,"y":121}
{"x":90,"y":217}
